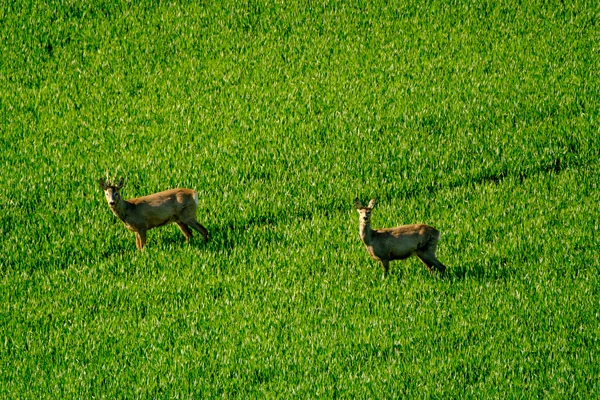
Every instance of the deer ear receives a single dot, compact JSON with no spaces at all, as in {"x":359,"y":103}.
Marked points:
{"x":372,"y":203}
{"x":357,"y":203}
{"x":102,"y":183}
{"x":120,"y":184}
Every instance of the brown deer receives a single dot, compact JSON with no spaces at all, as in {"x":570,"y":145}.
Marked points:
{"x":144,"y":213}
{"x":385,"y":245}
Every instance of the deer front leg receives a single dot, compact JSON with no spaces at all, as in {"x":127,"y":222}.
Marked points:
{"x":140,"y":239}
{"x":386,"y":268}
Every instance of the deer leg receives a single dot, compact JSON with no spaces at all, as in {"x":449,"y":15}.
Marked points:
{"x":441,"y":268}
{"x":140,"y":239}
{"x":197,"y":226}
{"x":386,"y":268}
{"x":426,"y":261}
{"x":432,"y":263}
{"x":185,"y":230}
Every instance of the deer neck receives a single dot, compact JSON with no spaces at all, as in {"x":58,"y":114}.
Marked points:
{"x":364,"y":229}
{"x":121,"y":209}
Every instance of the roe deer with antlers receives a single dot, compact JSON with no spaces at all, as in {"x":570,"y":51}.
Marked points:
{"x":385,"y":245}
{"x":144,"y":213}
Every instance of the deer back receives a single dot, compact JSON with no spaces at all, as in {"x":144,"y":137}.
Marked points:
{"x":402,"y":241}
{"x":162,"y":208}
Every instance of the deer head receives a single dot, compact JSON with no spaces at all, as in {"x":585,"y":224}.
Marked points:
{"x":365,"y":212}
{"x":112,"y":192}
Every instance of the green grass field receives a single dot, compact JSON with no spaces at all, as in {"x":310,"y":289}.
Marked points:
{"x":479,"y":118}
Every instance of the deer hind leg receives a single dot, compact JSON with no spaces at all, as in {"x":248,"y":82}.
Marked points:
{"x":140,"y":239}
{"x":427,"y":255}
{"x":197,"y":226}
{"x":185,"y":230}
{"x":431,"y":262}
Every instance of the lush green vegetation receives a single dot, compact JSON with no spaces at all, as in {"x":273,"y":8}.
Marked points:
{"x":480,"y":119}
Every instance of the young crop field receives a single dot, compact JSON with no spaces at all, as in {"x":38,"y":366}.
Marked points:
{"x":481,"y":119}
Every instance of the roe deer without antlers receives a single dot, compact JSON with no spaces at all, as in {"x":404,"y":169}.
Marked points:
{"x":144,"y":213}
{"x":385,"y":245}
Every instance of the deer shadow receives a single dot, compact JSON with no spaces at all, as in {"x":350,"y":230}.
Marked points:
{"x":494,"y":269}
{"x":257,"y":231}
